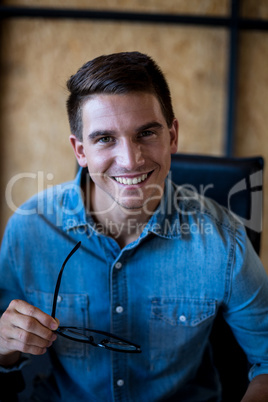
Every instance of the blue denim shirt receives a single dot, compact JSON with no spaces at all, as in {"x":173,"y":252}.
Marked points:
{"x":191,"y":258}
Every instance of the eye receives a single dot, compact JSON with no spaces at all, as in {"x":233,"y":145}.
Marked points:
{"x":146,"y":133}
{"x":105,"y":140}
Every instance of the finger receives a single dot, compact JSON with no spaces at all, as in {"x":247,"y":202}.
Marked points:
{"x":27,"y":309}
{"x":31,"y":340}
{"x":26,"y":330}
{"x":12,"y":319}
{"x":12,"y":345}
{"x":29,"y":326}
{"x":25,"y":333}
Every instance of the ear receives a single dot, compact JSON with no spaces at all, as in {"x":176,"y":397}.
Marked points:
{"x":78,"y":148}
{"x":174,"y":136}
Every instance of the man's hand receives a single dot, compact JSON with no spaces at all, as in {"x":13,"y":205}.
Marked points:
{"x":24,"y":328}
{"x":257,"y":390}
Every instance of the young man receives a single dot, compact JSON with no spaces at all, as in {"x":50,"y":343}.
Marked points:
{"x":139,"y":273}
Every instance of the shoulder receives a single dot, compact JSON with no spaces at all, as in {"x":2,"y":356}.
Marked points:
{"x":45,"y":205}
{"x":195,"y":206}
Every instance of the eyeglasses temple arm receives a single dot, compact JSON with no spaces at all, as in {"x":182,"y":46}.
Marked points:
{"x":57,"y":287}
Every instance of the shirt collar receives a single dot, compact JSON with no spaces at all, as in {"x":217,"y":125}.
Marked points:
{"x":73,"y":209}
{"x":165,"y":222}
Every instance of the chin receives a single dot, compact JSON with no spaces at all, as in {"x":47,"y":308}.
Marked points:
{"x":133,"y":208}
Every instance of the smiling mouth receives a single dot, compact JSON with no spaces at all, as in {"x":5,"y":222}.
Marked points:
{"x":132,"y":180}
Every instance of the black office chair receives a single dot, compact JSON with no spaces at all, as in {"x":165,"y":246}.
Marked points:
{"x":235,"y":183}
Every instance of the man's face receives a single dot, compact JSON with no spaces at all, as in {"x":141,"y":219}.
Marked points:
{"x":126,"y":147}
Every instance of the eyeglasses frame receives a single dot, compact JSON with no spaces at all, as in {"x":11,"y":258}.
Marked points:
{"x":88,"y":341}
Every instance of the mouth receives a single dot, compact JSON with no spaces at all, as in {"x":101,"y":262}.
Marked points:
{"x":129,"y":181}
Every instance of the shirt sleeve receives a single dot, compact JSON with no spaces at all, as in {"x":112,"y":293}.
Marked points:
{"x":10,"y":287}
{"x":11,"y":378}
{"x":22,"y":362}
{"x":246,"y":310}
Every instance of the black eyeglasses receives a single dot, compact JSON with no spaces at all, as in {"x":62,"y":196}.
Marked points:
{"x":91,"y":336}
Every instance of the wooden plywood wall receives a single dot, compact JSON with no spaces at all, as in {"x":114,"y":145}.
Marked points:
{"x":198,"y":7}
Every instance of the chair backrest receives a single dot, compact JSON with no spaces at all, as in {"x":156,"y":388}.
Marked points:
{"x":235,"y":183}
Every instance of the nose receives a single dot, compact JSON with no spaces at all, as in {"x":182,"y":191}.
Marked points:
{"x":130,"y":155}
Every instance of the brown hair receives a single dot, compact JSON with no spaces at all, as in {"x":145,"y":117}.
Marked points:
{"x":117,"y":73}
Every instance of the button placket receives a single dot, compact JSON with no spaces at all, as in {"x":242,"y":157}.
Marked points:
{"x":118,"y":265}
{"x":119,"y":309}
{"x":119,"y":327}
{"x":120,"y":382}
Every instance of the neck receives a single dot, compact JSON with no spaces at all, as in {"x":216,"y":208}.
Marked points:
{"x":122,"y":224}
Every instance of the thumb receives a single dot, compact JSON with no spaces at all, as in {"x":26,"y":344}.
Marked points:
{"x":57,"y":321}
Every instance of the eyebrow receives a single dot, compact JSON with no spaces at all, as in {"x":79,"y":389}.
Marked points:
{"x":100,"y":133}
{"x":152,"y":124}
{"x":104,"y":133}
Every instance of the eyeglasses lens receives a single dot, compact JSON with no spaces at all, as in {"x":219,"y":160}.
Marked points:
{"x":95,"y":338}
{"x":118,"y":345}
{"x":76,"y":334}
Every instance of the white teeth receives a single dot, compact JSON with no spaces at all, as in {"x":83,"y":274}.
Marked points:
{"x":128,"y":181}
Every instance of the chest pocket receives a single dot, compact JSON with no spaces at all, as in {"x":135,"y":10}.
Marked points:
{"x":72,"y":310}
{"x":178,"y":326}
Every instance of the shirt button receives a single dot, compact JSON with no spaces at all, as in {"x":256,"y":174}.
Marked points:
{"x":119,"y":309}
{"x":59,"y":299}
{"x":118,"y":265}
{"x":182,"y":318}
{"x":120,"y":382}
